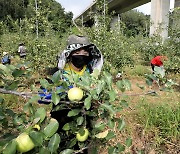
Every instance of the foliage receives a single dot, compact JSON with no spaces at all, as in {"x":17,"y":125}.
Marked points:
{"x":96,"y":112}
{"x":136,"y":23}
{"x":21,"y":15}
{"x":98,"y":109}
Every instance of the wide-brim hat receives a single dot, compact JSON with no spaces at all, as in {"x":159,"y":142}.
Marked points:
{"x":4,"y":53}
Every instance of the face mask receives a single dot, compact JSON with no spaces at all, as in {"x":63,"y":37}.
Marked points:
{"x":80,"y":60}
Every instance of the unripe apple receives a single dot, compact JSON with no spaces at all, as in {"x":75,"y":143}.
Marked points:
{"x":75,"y":94}
{"x":36,"y":126}
{"x":83,"y":137}
{"x":24,"y":143}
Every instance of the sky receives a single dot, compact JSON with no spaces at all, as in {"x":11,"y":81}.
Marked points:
{"x":78,"y":6}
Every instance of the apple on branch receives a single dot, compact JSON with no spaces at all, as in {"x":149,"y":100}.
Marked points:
{"x":75,"y":94}
{"x":82,"y":138}
{"x":24,"y":143}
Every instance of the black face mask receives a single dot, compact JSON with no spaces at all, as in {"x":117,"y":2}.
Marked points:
{"x":80,"y":60}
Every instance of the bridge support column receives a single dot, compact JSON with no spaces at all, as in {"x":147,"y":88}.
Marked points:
{"x":159,"y":17}
{"x":115,"y":23}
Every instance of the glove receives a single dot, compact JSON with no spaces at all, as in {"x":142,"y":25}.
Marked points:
{"x":46,"y":97}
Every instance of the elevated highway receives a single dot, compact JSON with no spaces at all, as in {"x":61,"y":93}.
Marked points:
{"x":119,"y":6}
{"x":159,"y":13}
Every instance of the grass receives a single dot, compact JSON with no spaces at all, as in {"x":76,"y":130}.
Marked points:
{"x":161,"y":116}
{"x":137,"y":70}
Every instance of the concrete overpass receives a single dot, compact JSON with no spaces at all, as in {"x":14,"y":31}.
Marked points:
{"x":119,"y":6}
{"x":159,"y":12}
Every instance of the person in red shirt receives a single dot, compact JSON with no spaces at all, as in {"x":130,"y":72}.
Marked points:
{"x":157,"y":61}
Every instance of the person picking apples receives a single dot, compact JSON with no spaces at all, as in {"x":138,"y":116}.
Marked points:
{"x":80,"y":56}
{"x":157,"y":61}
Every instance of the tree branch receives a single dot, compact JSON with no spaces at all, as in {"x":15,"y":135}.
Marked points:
{"x":22,"y":94}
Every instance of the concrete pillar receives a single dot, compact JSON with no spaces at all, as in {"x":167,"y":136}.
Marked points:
{"x":115,"y":23}
{"x":96,"y":22}
{"x":159,"y":17}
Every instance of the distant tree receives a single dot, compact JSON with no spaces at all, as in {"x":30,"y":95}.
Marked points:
{"x":136,"y":23}
{"x":50,"y":15}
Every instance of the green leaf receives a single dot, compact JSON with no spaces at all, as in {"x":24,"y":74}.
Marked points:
{"x":13,"y":85}
{"x":112,"y":95}
{"x":108,"y":79}
{"x":54,"y":143}
{"x":66,"y":127}
{"x":73,"y":112}
{"x":110,"y":135}
{"x":121,"y":124}
{"x":120,"y":86}
{"x":100,"y":126}
{"x":5,"y":69}
{"x":149,"y":82}
{"x":17,"y":120}
{"x":127,"y":84}
{"x":128,"y":142}
{"x":123,"y":85}
{"x":120,"y":147}
{"x":44,"y":150}
{"x":112,"y":150}
{"x":36,"y":120}
{"x":37,"y":137}
{"x":40,"y":113}
{"x":51,"y":128}
{"x":111,"y":123}
{"x":34,"y":99}
{"x":44,"y":83}
{"x":72,"y":142}
{"x":67,"y":151}
{"x":55,"y":98}
{"x":100,"y":86}
{"x":109,"y":108}
{"x":1,"y":100}
{"x":17,"y":73}
{"x":56,"y":77}
{"x":10,"y":112}
{"x":124,"y":103}
{"x":87,"y":103}
{"x":95,"y":73}
{"x":10,"y":148}
{"x":80,"y":120}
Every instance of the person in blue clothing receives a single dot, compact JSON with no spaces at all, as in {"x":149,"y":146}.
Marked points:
{"x":79,"y":56}
{"x":6,"y":59}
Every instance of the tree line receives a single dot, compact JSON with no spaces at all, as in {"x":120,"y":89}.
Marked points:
{"x":49,"y":10}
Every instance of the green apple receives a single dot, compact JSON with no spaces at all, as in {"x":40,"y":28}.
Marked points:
{"x":36,"y":126}
{"x":24,"y":143}
{"x":83,"y":137}
{"x":75,"y":94}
